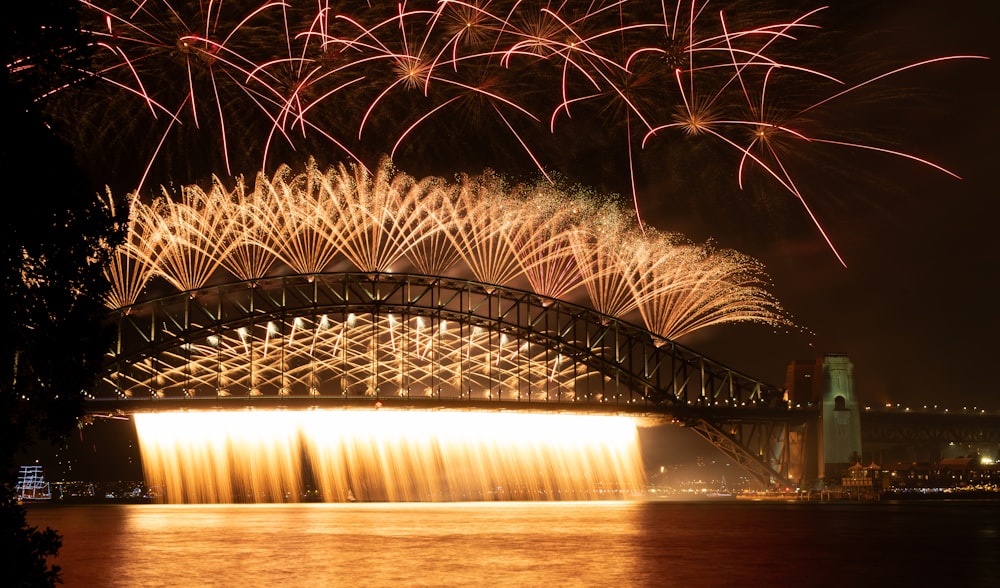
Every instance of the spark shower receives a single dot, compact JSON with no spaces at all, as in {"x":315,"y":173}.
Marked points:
{"x":369,"y":455}
{"x":560,"y":245}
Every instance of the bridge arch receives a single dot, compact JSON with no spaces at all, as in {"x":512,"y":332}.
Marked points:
{"x":348,"y":338}
{"x":291,"y":334}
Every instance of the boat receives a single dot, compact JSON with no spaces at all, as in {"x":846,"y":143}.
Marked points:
{"x":722,"y":492}
{"x":31,"y":485}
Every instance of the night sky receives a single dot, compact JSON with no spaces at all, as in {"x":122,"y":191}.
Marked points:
{"x":916,"y":308}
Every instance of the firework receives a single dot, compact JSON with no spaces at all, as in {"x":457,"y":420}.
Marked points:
{"x":236,"y":87}
{"x":551,"y":240}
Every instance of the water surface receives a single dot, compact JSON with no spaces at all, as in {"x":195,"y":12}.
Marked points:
{"x":727,"y":543}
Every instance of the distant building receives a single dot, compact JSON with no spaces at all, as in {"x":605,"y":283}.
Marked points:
{"x":958,"y":472}
{"x":864,"y":482}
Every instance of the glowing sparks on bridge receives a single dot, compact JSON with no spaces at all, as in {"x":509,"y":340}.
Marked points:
{"x":557,"y":244}
{"x":535,"y":235}
{"x":368,"y":455}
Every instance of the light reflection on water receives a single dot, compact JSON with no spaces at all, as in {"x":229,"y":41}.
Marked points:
{"x":337,"y":544}
{"x":730,"y":543}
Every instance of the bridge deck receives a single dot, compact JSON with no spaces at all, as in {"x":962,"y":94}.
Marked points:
{"x":649,"y":414}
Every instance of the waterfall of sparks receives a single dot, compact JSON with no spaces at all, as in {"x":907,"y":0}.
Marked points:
{"x":388,"y":455}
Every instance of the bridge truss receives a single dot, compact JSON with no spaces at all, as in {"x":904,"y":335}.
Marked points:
{"x":430,"y":342}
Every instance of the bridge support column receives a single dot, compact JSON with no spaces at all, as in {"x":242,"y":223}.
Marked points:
{"x":840,"y":416}
{"x":832,"y":441}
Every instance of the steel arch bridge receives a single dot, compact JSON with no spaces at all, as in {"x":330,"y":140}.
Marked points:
{"x":426,"y":342}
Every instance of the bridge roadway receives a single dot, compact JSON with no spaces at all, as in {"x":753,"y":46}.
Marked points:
{"x":929,"y":427}
{"x":649,"y":413}
{"x":876,"y":426}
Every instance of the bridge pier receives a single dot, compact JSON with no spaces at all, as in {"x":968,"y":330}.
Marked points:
{"x":831,"y":439}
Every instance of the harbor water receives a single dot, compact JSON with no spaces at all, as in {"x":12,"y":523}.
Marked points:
{"x":700,"y":543}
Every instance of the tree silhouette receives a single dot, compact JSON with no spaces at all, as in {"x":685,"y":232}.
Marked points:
{"x":57,"y":234}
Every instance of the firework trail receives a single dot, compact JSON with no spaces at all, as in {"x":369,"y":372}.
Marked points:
{"x":209,"y":86}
